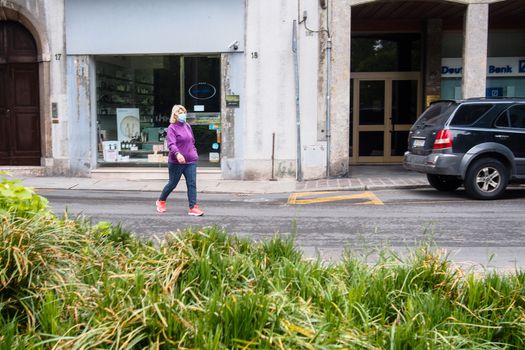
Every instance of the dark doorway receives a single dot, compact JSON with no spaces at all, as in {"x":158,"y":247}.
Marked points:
{"x":20,"y":142}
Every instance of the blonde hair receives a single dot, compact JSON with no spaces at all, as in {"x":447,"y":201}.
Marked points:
{"x":173,"y":117}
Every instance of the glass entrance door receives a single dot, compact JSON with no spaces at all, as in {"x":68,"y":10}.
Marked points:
{"x":384,"y":107}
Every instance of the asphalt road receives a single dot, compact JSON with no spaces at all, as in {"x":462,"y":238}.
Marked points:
{"x":486,"y":234}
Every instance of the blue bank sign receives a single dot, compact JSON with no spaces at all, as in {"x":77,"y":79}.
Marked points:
{"x":496,"y":67}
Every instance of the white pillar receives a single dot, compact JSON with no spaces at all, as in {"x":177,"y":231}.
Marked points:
{"x":475,"y":50}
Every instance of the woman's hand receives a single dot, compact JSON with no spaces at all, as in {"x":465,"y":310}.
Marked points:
{"x":180,"y":158}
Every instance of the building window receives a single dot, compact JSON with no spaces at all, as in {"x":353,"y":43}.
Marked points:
{"x":135,"y":95}
{"x":386,"y":53}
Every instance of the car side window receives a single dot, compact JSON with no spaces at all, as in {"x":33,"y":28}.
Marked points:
{"x":517,"y":116}
{"x":503,"y":120}
{"x":437,"y":113}
{"x":469,"y":113}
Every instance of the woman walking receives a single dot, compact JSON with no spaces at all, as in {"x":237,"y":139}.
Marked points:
{"x":182,"y":159}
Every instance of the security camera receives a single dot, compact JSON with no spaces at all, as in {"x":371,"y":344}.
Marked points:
{"x":234,"y":45}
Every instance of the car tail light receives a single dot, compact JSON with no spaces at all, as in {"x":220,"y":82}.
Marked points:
{"x":443,"y":140}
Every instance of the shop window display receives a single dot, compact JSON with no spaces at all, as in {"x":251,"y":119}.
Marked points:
{"x":135,"y":95}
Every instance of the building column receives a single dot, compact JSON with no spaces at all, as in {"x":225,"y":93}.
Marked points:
{"x":340,"y":87}
{"x":475,"y":33}
{"x":80,"y":126}
{"x":232,"y":117}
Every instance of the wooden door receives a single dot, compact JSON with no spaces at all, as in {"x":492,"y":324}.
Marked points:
{"x":20,"y":141}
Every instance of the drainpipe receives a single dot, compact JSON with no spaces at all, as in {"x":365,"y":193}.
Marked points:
{"x":328,"y":89}
{"x":297,"y":110}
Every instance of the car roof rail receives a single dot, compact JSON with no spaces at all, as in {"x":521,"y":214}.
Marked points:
{"x":444,"y":100}
{"x":496,"y":98}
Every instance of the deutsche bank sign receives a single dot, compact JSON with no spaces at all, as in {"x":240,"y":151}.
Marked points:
{"x":496,"y":67}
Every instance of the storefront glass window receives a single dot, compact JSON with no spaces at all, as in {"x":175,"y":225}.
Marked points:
{"x":505,"y":64}
{"x":506,"y":43}
{"x":451,"y":88}
{"x":452,"y":44}
{"x":135,"y":95}
{"x":507,"y":87}
{"x":386,"y":53}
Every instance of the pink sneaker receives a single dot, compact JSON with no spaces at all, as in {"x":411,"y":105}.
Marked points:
{"x":195,"y":211}
{"x":161,"y":206}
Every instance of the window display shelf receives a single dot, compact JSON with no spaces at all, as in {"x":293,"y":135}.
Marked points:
{"x":105,"y":104}
{"x":123,"y":91}
{"x":106,"y":76}
{"x":145,"y":118}
{"x":106,"y":90}
{"x":140,"y":152}
{"x":101,"y":75}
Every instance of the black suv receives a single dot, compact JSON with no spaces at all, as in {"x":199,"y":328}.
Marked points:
{"x":478,"y":143}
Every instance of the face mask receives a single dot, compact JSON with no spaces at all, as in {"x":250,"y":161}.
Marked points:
{"x":182,"y":118}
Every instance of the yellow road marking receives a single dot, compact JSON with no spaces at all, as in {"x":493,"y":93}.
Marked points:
{"x":294,"y":198}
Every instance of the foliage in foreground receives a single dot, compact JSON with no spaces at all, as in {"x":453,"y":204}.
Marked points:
{"x":67,"y":284}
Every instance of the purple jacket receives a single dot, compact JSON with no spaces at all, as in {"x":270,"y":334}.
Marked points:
{"x":180,"y":140}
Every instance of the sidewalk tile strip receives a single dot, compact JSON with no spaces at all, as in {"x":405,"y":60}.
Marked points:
{"x":361,"y":178}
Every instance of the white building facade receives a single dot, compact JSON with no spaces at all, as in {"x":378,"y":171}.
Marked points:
{"x":276,"y":88}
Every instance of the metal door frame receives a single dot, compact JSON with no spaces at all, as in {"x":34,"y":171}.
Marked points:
{"x":386,"y":128}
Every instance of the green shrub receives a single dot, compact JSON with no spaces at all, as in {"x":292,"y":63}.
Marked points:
{"x":19,"y":199}
{"x":27,"y":237}
{"x":67,"y":284}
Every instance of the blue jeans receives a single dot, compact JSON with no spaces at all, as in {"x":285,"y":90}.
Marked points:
{"x":190,"y":174}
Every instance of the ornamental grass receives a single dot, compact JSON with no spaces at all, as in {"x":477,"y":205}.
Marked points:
{"x":68,"y":284}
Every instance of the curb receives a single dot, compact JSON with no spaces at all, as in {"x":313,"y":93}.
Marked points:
{"x":364,"y":188}
{"x":211,"y":191}
{"x":397,"y":187}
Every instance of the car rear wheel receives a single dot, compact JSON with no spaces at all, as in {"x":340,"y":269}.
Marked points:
{"x":444,"y":182}
{"x":486,"y":178}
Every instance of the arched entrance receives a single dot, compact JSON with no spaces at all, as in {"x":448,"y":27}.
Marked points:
{"x":20,"y":135}
{"x":396,"y":52}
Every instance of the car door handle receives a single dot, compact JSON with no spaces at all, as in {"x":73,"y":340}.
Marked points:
{"x":501,"y":137}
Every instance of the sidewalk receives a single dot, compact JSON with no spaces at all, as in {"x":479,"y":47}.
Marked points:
{"x":361,"y":178}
